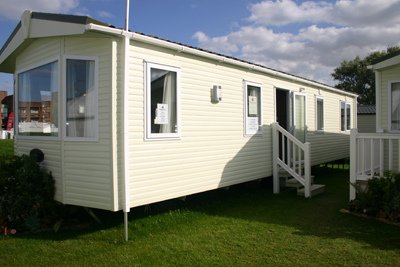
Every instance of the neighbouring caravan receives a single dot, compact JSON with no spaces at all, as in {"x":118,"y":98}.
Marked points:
{"x":126,"y":119}
{"x":375,"y":153}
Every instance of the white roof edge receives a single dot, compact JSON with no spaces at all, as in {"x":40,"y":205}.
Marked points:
{"x":186,"y":49}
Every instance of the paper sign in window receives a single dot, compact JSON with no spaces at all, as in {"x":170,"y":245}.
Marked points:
{"x":162,"y":114}
{"x":253,"y":105}
{"x":252,"y":124}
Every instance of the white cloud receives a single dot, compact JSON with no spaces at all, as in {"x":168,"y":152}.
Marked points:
{"x":105,"y":14}
{"x":315,"y":50}
{"x":343,"y":12}
{"x":14,"y":9}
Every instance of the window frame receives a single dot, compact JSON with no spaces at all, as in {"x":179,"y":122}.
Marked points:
{"x":390,"y":106}
{"x":16,"y":100}
{"x":95,"y":138}
{"x":260,"y":131}
{"x":148,"y":135}
{"x":319,"y":97}
{"x":347,"y":129}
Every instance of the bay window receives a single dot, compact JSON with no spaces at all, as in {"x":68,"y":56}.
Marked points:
{"x":37,"y":101}
{"x":81,"y":98}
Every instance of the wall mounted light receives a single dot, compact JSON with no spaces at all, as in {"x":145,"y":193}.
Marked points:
{"x":217,"y":93}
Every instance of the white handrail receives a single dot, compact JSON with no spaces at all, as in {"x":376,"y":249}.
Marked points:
{"x":295,"y":156}
{"x":372,"y":154}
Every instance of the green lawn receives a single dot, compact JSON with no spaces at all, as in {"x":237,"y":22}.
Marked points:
{"x":6,"y":147}
{"x":245,"y":226}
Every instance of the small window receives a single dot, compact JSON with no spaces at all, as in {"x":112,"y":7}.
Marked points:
{"x":345,"y":116}
{"x":252,"y":109}
{"x":81,"y":101}
{"x":162,"y":102}
{"x":394,"y":106}
{"x":37,"y":101}
{"x":319,"y":114}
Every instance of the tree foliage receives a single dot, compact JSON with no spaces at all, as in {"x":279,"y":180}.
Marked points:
{"x":354,"y":76}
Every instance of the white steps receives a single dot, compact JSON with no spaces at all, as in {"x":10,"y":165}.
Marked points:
{"x":315,"y":190}
{"x":289,"y":181}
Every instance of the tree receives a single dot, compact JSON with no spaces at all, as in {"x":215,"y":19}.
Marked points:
{"x":355,"y":77}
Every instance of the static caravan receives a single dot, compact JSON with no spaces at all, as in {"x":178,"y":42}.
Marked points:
{"x":375,"y":153}
{"x":126,"y":119}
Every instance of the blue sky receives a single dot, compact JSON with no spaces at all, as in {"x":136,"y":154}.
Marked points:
{"x":304,"y":38}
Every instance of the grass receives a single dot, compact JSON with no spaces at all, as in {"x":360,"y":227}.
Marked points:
{"x":6,"y":147}
{"x":245,"y":226}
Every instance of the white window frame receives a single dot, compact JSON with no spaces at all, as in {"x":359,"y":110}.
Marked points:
{"x":319,"y":97}
{"x":246,"y":133}
{"x":390,"y":106}
{"x":16,"y":109}
{"x":148,"y":135}
{"x":95,"y":138}
{"x":345,"y":116}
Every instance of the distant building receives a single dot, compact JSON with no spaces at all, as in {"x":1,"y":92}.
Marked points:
{"x":366,"y":119}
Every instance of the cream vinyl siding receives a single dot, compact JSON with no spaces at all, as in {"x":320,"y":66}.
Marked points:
{"x":212,"y":152}
{"x":83,"y":171}
{"x":88,"y":166}
{"x":37,"y":52}
{"x":331,"y":144}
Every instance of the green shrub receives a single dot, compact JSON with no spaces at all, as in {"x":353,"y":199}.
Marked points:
{"x":381,"y":196}
{"x":26,"y":193}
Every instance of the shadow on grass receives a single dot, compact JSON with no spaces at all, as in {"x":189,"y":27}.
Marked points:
{"x":254,"y":201}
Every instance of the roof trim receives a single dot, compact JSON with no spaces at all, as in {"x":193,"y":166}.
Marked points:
{"x":211,"y":55}
{"x":386,"y":57}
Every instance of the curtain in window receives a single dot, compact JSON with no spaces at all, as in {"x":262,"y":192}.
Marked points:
{"x":395,"y":106}
{"x":80,"y":98}
{"x":348,"y":112}
{"x":89,"y":129}
{"x":54,"y":99}
{"x":342,"y":116}
{"x":169,"y":98}
{"x":320,"y":114}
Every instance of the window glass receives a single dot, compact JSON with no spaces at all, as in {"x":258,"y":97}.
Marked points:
{"x":253,"y":118}
{"x":348,"y":120}
{"x":162,"y":102}
{"x":395,"y":107}
{"x":80,"y":98}
{"x":342,"y":116}
{"x":320,"y":114}
{"x":38,"y":101}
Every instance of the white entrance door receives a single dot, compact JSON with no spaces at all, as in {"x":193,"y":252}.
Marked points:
{"x":299,"y":116}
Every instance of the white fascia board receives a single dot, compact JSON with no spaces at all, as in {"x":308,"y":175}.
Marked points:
{"x":16,"y":41}
{"x":45,"y":28}
{"x":189,"y":50}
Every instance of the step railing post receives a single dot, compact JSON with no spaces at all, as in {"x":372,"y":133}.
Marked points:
{"x":275,"y":155}
{"x":353,"y":162}
{"x":307,"y":170}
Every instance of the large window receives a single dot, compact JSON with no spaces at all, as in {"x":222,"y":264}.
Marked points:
{"x":162,"y":101}
{"x":252,"y":109}
{"x":394,"y":106}
{"x":81,"y":99}
{"x":345,"y":116}
{"x":319,"y":113}
{"x":37,"y":101}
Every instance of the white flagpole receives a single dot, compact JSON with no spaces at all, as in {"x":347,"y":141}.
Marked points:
{"x":127,"y":16}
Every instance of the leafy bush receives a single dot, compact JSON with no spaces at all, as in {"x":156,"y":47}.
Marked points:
{"x":26,"y":193}
{"x":381,"y":196}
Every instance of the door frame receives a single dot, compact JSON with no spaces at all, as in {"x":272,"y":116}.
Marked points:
{"x":294,"y":94}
